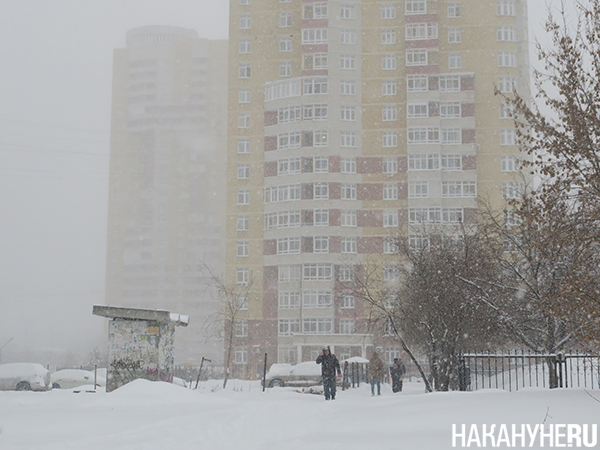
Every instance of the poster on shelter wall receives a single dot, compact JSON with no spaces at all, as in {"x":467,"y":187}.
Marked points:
{"x":133,"y":352}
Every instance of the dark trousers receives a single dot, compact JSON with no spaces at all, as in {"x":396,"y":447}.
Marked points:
{"x":329,"y":387}
{"x":396,"y":384}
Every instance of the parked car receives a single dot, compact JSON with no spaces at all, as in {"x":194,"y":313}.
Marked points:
{"x":72,"y":378}
{"x":24,"y":377}
{"x":300,"y":375}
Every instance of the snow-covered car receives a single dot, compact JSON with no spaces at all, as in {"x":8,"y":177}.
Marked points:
{"x":24,"y":377}
{"x":300,"y":375}
{"x":72,"y":378}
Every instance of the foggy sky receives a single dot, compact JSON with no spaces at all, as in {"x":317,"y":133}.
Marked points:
{"x":55,"y":89}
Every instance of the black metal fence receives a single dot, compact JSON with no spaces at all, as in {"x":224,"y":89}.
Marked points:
{"x":516,"y":370}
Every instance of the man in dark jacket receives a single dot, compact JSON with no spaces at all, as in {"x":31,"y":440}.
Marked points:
{"x":397,"y":372}
{"x":329,"y":367}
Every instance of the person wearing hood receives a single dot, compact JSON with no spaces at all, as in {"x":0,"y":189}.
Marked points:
{"x":376,"y":372}
{"x":330,"y":366}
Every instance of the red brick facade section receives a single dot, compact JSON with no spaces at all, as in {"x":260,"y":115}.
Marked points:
{"x":270,"y":246}
{"x":335,"y":217}
{"x":467,"y":83}
{"x":307,"y":191}
{"x":270,"y":118}
{"x":468,"y":109}
{"x":335,"y":244}
{"x":369,"y":218}
{"x":270,"y":168}
{"x":369,"y":191}
{"x":307,"y":217}
{"x":471,"y":215}
{"x":307,"y":244}
{"x":469,"y":162}
{"x":335,"y":163}
{"x":270,"y":143}
{"x":335,"y":191}
{"x":402,"y":191}
{"x":469,"y":136}
{"x":434,"y":109}
{"x":368,"y":165}
{"x":370,"y":244}
{"x":434,"y":83}
{"x":307,"y":139}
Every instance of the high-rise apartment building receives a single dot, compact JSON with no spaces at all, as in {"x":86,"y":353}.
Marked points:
{"x":166,"y":213}
{"x":351,"y":121}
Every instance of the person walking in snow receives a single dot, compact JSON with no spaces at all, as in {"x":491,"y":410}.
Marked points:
{"x":376,"y":372}
{"x":330,"y":366}
{"x":397,"y":372}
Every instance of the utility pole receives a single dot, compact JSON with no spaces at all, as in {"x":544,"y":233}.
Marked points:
{"x":4,"y":346}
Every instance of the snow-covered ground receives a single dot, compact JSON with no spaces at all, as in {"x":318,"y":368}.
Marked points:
{"x":151,"y":415}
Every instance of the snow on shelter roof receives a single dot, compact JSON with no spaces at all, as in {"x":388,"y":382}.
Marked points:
{"x":156,"y":315}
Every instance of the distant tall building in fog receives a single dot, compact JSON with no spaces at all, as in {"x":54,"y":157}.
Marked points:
{"x":351,"y":121}
{"x":167,"y":193}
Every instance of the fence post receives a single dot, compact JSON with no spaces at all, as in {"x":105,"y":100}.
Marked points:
{"x":462,"y":374}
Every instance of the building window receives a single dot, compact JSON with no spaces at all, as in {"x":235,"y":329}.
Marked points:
{"x":346,"y":11}
{"x":451,"y":136}
{"x":389,"y":139}
{"x":288,"y":273}
{"x":390,"y":218}
{"x":346,"y":326}
{"x":347,"y":301}
{"x":450,"y":110}
{"x":321,"y":217}
{"x":452,"y":215}
{"x":507,"y":59}
{"x":349,"y":245}
{"x":316,"y":112}
{"x":389,"y":113}
{"x":417,"y":110}
{"x":416,"y":57}
{"x":508,"y":137}
{"x":421,"y":31}
{"x":245,"y":70}
{"x":348,"y":37}
{"x":285,"y":44}
{"x":413,"y":7}
{"x":315,"y":11}
{"x":244,"y":46}
{"x":317,"y":272}
{"x":348,"y":165}
{"x":388,"y":61}
{"x":450,"y":83}
{"x":314,"y":86}
{"x":321,"y":191}
{"x":285,"y":19}
{"x":288,"y":246}
{"x":423,"y":135}
{"x":289,"y":327}
{"x":314,"y":36}
{"x":390,"y":191}
{"x":348,"y":113}
{"x":347,"y":87}
{"x":245,"y":22}
{"x":390,"y":246}
{"x":451,"y":162}
{"x":454,"y":61}
{"x":390,"y":272}
{"x":511,"y":190}
{"x":243,"y":222}
{"x":243,"y":171}
{"x":282,"y":219}
{"x":243,"y":146}
{"x":285,"y":193}
{"x":453,"y":10}
{"x":288,"y":140}
{"x":388,"y":37}
{"x":418,"y":243}
{"x":288,"y":166}
{"x":348,"y":219}
{"x":454,"y":35}
{"x":244,"y":95}
{"x":289,"y":300}
{"x":390,"y":166}
{"x":507,"y":84}
{"x":317,"y":326}
{"x":388,"y":11}
{"x":388,"y":87}
{"x":507,"y":111}
{"x":347,"y":139}
{"x":244,"y":120}
{"x":241,"y":328}
{"x":321,"y":164}
{"x":243,"y":197}
{"x":321,"y":244}
{"x":459,"y":189}
{"x":346,"y":274}
{"x":348,"y":191}
{"x":509,"y":164}
{"x":317,"y":299}
{"x":244,"y":2}
{"x":424,"y":215}
{"x":424,"y":162}
{"x":316,"y":61}
{"x":285,"y":69}
{"x":505,"y":8}
{"x":347,"y":62}
{"x":289,"y":114}
{"x":240,"y":356}
{"x":506,"y":33}
{"x":242,"y":276}
{"x":417,"y":83}
{"x":320,"y":138}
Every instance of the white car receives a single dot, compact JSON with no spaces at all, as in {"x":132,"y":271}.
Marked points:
{"x":24,"y":377}
{"x":72,"y":378}
{"x":304,"y":374}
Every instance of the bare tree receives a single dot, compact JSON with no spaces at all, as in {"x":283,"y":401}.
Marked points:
{"x":232,"y":299}
{"x":564,"y":144}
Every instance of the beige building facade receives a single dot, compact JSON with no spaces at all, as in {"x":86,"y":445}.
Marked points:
{"x":166,"y":216}
{"x":350,"y":122}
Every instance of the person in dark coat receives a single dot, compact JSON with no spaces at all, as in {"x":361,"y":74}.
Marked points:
{"x":330,"y":366}
{"x":376,"y":372}
{"x":397,"y":372}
